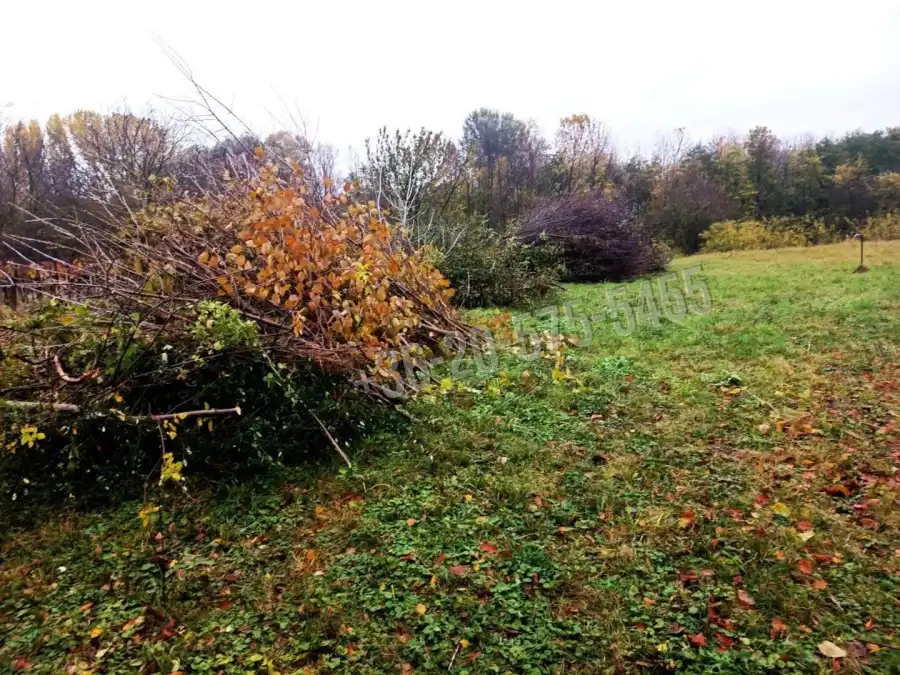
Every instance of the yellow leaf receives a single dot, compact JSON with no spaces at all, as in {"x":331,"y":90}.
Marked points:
{"x":831,"y":650}
{"x":421,"y":609}
{"x":464,"y":643}
{"x":468,"y":498}
{"x":781,"y":510}
{"x":96,"y":632}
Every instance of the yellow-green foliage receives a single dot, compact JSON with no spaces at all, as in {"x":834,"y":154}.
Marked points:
{"x":884,"y":227}
{"x":731,"y":235}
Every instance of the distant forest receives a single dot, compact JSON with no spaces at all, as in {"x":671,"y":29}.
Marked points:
{"x":498,"y":170}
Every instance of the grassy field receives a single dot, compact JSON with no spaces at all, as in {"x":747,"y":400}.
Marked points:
{"x":715,"y":496}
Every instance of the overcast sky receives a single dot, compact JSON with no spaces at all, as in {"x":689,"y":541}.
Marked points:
{"x":350,"y":67}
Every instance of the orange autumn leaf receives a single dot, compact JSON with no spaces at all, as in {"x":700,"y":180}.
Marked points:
{"x":745,"y":599}
{"x":488,"y":547}
{"x":698,"y":640}
{"x":805,"y":565}
{"x":779,"y":628}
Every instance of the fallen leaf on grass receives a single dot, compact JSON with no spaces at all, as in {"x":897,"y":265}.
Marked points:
{"x":820,"y":584}
{"x":804,"y":526}
{"x":421,"y":609}
{"x":488,"y":547}
{"x":745,"y":599}
{"x":831,"y":650}
{"x":698,"y":640}
{"x":805,"y":565}
{"x":686,"y":519}
{"x":411,"y":522}
{"x":779,"y":627}
{"x":781,"y":510}
{"x":837,"y":490}
{"x":97,"y":632}
{"x":457,"y":570}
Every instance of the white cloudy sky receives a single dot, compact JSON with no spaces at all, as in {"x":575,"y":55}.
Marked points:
{"x":643,"y":67}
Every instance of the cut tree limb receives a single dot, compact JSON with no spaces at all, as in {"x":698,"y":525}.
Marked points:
{"x":71,"y":407}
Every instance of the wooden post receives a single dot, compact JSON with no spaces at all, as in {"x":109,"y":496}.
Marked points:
{"x":862,"y":266}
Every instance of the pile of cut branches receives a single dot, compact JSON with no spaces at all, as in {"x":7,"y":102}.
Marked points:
{"x":252,"y":273}
{"x":601,"y":239}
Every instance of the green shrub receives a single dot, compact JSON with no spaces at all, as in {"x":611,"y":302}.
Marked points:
{"x":748,"y":235}
{"x":884,"y":227}
{"x":110,"y":448}
{"x":488,"y":268}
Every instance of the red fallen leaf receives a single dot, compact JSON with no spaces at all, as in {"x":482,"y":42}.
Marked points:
{"x":225,"y":604}
{"x":687,"y":577}
{"x":441,"y":558}
{"x":724,"y":641}
{"x":823,"y":557}
{"x":805,"y":565}
{"x":21,"y":664}
{"x":804,"y":526}
{"x":762,"y":500}
{"x":457,"y":570}
{"x":745,"y":599}
{"x":488,"y":547}
{"x":407,"y":558}
{"x":406,"y":668}
{"x":869,"y":524}
{"x":738,"y":580}
{"x":230,"y":578}
{"x":698,"y":640}
{"x":686,"y":519}
{"x":838,"y":490}
{"x":779,"y":628}
{"x":350,"y":649}
{"x":86,"y":606}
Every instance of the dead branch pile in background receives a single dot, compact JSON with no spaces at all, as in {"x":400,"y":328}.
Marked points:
{"x":600,"y":238}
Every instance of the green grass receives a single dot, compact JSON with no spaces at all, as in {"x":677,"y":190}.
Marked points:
{"x":667,"y":488}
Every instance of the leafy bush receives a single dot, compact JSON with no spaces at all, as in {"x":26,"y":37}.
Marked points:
{"x":488,"y":268}
{"x":784,"y":232}
{"x":731,"y":235}
{"x":884,"y":227}
{"x":600,"y":239}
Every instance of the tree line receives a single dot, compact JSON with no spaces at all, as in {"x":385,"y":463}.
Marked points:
{"x":498,"y":170}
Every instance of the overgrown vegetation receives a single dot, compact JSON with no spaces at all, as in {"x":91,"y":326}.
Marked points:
{"x":784,"y":232}
{"x":186,"y":325}
{"x":191,"y":308}
{"x":712,"y":496}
